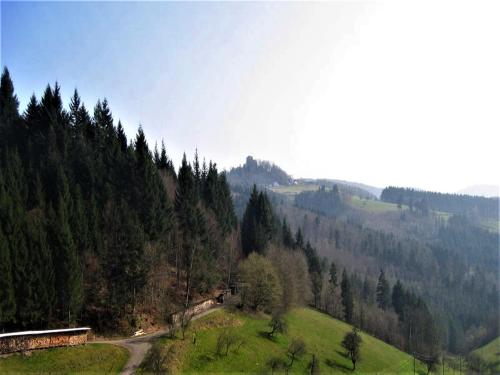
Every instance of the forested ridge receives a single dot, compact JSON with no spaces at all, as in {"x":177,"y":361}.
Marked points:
{"x":259,"y":172}
{"x":448,"y":261}
{"x":96,"y":229}
{"x":452,"y":265}
{"x":454,"y":203}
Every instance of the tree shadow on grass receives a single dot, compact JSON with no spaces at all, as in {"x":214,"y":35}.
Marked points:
{"x":334,"y":365}
{"x":265,"y":335}
{"x":343,"y":354}
{"x":204,"y":358}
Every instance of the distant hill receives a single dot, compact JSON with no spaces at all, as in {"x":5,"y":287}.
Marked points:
{"x":267,"y":174}
{"x":454,"y":203}
{"x":487,"y":191}
{"x":357,"y":188}
{"x":259,"y":172}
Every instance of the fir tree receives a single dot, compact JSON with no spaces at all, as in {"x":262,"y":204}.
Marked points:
{"x":333,"y":275}
{"x":398,"y":299}
{"x":7,"y":300}
{"x":257,"y":227}
{"x":9,"y":104}
{"x":383,"y":292}
{"x":347,"y":298}
{"x":299,"y":239}
{"x":68,"y":274}
{"x":122,"y":138}
{"x":287,"y":236}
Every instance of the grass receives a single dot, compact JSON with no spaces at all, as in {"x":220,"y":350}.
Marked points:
{"x":90,"y":358}
{"x":294,"y":189}
{"x":490,"y":353}
{"x":492,"y":225}
{"x":321,"y":333}
{"x":374,"y":206}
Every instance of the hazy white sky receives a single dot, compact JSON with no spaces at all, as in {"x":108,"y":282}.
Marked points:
{"x":385,"y":93}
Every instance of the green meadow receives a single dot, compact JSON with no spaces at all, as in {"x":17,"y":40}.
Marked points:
{"x":321,"y":333}
{"x":490,"y":353}
{"x":90,"y":358}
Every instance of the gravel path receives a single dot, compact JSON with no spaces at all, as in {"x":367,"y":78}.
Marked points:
{"x":139,"y":346}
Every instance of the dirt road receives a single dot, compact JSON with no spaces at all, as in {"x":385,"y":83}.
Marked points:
{"x":139,"y":346}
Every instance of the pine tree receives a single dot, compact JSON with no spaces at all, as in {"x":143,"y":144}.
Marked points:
{"x":383,"y":292}
{"x":287,"y":236}
{"x":68,"y":274}
{"x":122,"y":138}
{"x":367,"y":292}
{"x":125,"y":264}
{"x":9,"y":104}
{"x":40,"y":270}
{"x":333,"y":275}
{"x":257,"y":227}
{"x":7,"y":300}
{"x":299,"y":239}
{"x":347,"y":297}
{"x":189,"y":220}
{"x":12,"y":221}
{"x":398,"y":299}
{"x":197,"y":173}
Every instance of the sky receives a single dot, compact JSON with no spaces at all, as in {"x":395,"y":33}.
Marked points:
{"x":384,"y":93}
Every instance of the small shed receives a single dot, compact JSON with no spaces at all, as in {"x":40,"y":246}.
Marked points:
{"x":32,"y":340}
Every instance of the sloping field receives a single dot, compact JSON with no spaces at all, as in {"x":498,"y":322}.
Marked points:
{"x":90,"y":358}
{"x":321,"y":333}
{"x":490,"y":353}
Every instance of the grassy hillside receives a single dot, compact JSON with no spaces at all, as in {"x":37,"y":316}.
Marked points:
{"x":294,"y":189}
{"x":92,"y":358}
{"x":321,"y":333}
{"x":490,"y":353}
{"x":491,"y":225}
{"x":374,"y":206}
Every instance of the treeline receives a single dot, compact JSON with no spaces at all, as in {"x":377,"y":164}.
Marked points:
{"x":393,"y":314}
{"x":325,"y":201}
{"x":454,"y":271}
{"x":97,"y":229}
{"x":455,"y":203}
{"x":283,"y":270}
{"x":261,"y":229}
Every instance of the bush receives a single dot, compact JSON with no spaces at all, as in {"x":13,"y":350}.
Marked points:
{"x":276,"y":364}
{"x":156,"y":359}
{"x":225,"y":340}
{"x":296,"y":349}
{"x":277,"y":324}
{"x":261,"y":287}
{"x":352,"y":343}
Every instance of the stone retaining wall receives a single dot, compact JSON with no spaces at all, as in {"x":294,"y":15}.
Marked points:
{"x":195,"y":309}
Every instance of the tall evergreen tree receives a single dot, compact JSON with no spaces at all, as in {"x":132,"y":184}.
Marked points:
{"x":68,"y":274}
{"x":333,"y":275}
{"x":383,"y":292}
{"x":299,"y":239}
{"x":288,"y":240}
{"x":122,"y":138}
{"x":125,"y":264}
{"x":9,"y":104}
{"x":398,"y":299}
{"x":7,"y":298}
{"x":347,"y":297}
{"x":257,"y":227}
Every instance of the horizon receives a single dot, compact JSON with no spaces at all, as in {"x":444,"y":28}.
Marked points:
{"x":367,"y":67}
